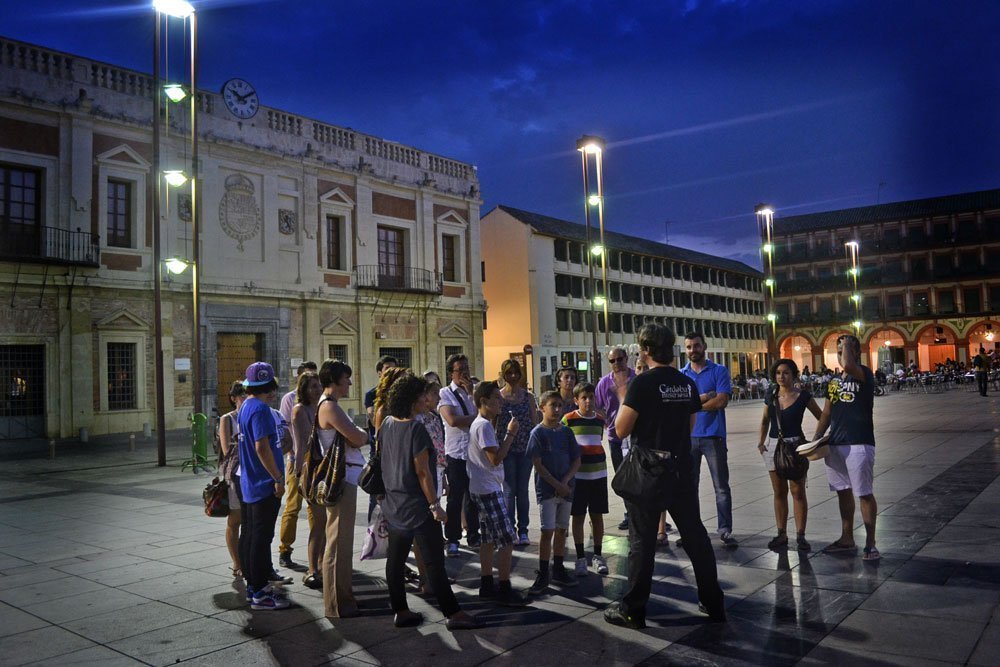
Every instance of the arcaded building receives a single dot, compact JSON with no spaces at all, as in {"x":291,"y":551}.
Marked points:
{"x":929,"y":282}
{"x":316,"y":241}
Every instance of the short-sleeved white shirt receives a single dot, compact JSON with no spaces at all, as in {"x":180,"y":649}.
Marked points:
{"x":484,"y":477}
{"x":456,"y":440}
{"x":287,"y":403}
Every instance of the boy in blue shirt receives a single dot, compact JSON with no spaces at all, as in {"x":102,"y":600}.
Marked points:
{"x":555,"y":454}
{"x":262,"y":474}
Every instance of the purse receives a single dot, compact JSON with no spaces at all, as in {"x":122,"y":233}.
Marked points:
{"x":216,"y":497}
{"x":371,"y":481}
{"x":648,"y":477}
{"x":788,"y":463}
{"x":322,"y":478}
{"x":229,"y":462}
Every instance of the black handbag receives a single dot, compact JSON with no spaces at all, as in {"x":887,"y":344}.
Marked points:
{"x":648,"y":477}
{"x":371,"y":481}
{"x":788,"y":463}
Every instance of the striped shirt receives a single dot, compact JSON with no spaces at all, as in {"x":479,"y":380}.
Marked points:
{"x":589,"y":432}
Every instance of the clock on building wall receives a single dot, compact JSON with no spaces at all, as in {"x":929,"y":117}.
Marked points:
{"x":240,"y":98}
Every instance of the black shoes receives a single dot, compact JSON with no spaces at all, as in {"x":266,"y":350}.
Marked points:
{"x":540,"y":586}
{"x":615,"y":615}
{"x":717,"y":616}
{"x":561,"y":576}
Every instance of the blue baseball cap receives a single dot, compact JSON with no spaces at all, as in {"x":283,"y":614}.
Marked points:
{"x":259,"y":373}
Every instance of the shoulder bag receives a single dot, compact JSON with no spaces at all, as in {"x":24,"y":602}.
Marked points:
{"x":322,"y":477}
{"x":229,"y":461}
{"x":216,"y":497}
{"x":648,"y":477}
{"x":371,"y":481}
{"x":788,"y":463}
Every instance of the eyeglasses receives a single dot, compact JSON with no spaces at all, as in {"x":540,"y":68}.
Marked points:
{"x":615,"y":360}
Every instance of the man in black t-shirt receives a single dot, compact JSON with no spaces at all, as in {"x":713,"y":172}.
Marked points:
{"x":658,"y":412}
{"x":850,"y":465}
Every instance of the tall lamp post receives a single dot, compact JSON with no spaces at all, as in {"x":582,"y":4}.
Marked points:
{"x":765,"y":227}
{"x":165,"y":10}
{"x":853,"y":250}
{"x":593,"y":146}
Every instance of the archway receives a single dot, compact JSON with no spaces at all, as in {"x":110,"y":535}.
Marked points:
{"x":935,"y":345}
{"x":830,"y":349}
{"x":984,"y":334}
{"x":885,"y":350}
{"x":798,"y":349}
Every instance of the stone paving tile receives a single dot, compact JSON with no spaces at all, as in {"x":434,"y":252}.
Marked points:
{"x":35,"y":645}
{"x":131,"y":574}
{"x":86,"y":604}
{"x":114,"y":625}
{"x":175,"y":643}
{"x":988,"y":647}
{"x":971,"y":604}
{"x":96,"y":655}
{"x":183,"y":581}
{"x":44,"y":591}
{"x":14,"y":621}
{"x":824,"y":655}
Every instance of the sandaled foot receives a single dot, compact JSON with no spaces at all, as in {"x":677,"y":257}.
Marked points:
{"x":661,"y":538}
{"x":779,"y":542}
{"x":839,"y":547}
{"x":871,"y":554}
{"x":237,"y":572}
{"x":802,"y":544}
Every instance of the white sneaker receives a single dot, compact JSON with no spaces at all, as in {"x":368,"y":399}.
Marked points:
{"x":600,"y":564}
{"x":581,"y":567}
{"x":268,"y":598}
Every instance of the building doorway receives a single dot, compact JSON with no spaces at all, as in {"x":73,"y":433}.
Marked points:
{"x":234,"y":353}
{"x":936,"y":345}
{"x":799,"y":350}
{"x":22,"y":409}
{"x":885,"y":350}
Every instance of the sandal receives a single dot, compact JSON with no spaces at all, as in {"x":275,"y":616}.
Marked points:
{"x":779,"y":542}
{"x":661,"y":538}
{"x":237,"y":572}
{"x":839,"y":547}
{"x":801,"y":544}
{"x":871,"y":554}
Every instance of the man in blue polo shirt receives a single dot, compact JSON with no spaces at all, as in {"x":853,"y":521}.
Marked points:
{"x":708,"y":439}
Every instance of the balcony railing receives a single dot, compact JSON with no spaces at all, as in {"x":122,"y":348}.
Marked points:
{"x":398,"y":279}
{"x":49,"y":245}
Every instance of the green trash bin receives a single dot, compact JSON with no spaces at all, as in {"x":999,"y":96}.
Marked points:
{"x":199,"y":445}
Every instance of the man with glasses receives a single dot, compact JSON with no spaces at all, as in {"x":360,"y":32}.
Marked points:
{"x":458,"y":411}
{"x":608,"y":403}
{"x":850,"y":465}
{"x":708,"y":439}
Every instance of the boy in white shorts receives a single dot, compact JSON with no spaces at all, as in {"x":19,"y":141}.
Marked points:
{"x":851,"y":462}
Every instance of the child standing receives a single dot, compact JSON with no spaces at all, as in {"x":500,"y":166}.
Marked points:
{"x":486,"y":476}
{"x":556,"y":457}
{"x":591,"y":492}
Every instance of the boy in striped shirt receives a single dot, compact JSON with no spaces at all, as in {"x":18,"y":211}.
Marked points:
{"x":591,"y":492}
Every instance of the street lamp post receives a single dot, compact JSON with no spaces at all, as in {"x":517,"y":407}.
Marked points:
{"x":184,"y":11}
{"x":853,"y":249}
{"x":765,"y":227}
{"x":591,"y":145}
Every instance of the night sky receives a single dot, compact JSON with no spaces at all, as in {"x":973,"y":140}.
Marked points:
{"x":709,"y":106}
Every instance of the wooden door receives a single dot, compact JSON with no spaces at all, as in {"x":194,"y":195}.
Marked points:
{"x":234,"y":352}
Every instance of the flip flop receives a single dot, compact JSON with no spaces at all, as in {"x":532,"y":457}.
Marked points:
{"x":839,"y":548}
{"x":871,"y":554}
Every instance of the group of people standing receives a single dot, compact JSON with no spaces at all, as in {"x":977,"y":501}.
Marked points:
{"x":479,"y":443}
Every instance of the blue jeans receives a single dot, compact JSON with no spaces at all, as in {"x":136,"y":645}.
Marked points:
{"x":716,"y":455}
{"x":517,"y":474}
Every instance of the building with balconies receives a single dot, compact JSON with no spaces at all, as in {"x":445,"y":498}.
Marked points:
{"x":316,"y":241}
{"x":928,"y":288}
{"x":536,"y":282}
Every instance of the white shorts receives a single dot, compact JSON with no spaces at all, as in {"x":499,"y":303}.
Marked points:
{"x":554,"y":513}
{"x":851,"y":467}
{"x":770,"y":445}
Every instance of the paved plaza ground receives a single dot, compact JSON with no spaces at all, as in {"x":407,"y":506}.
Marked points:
{"x":107,"y":559}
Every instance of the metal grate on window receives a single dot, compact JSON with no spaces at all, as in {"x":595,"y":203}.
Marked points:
{"x":453,"y":349}
{"x":339,"y":353}
{"x":121,"y":376}
{"x":403,"y":355}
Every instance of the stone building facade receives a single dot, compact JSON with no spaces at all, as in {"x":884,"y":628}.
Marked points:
{"x":316,"y":241}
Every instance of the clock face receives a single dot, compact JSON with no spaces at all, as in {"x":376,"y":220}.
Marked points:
{"x":240,"y":97}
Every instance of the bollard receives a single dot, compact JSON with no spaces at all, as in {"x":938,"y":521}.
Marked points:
{"x":131,"y":442}
{"x":52,"y":448}
{"x":84,"y":435}
{"x":147,"y":431}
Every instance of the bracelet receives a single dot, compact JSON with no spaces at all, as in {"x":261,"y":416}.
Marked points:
{"x":436,"y":503}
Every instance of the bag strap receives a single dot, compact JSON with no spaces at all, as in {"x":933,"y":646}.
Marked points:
{"x":776,"y":415}
{"x":461,"y":403}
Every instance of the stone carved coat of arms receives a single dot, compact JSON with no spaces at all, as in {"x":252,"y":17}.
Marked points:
{"x":239,"y":214}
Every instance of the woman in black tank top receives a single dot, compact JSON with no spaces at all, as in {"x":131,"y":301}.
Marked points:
{"x":784,"y":408}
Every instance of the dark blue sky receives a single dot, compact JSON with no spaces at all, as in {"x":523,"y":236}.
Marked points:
{"x":709,"y":106}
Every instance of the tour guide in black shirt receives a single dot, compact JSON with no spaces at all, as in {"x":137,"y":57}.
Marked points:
{"x":658,"y":411}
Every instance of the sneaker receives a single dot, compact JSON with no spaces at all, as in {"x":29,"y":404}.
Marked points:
{"x":714,"y":616}
{"x":729,"y":541}
{"x":268,"y":599}
{"x":523,"y":540}
{"x":278,"y":578}
{"x":488,"y":591}
{"x":285,"y":560}
{"x":600,"y":564}
{"x":312,"y":580}
{"x":802,"y":544}
{"x":249,"y":594}
{"x":561,"y":576}
{"x":541,"y":584}
{"x":615,"y":615}
{"x":452,"y":549}
{"x":623,"y":526}
{"x":508,"y":597}
{"x":581,"y":567}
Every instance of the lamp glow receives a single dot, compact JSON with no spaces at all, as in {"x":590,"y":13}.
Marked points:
{"x":769,"y":282}
{"x":855,"y":298}
{"x":798,"y":347}
{"x":175,"y":265}
{"x":771,"y":317}
{"x":599,"y":301}
{"x":989,"y":336}
{"x":174,"y":92}
{"x":597,"y":250}
{"x":888,"y":343}
{"x":858,"y":324}
{"x":593,"y":200}
{"x":177,"y":8}
{"x":853,"y":271}
{"x":765,"y":211}
{"x":767,"y":247}
{"x":175,"y":178}
{"x":851,"y":244}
